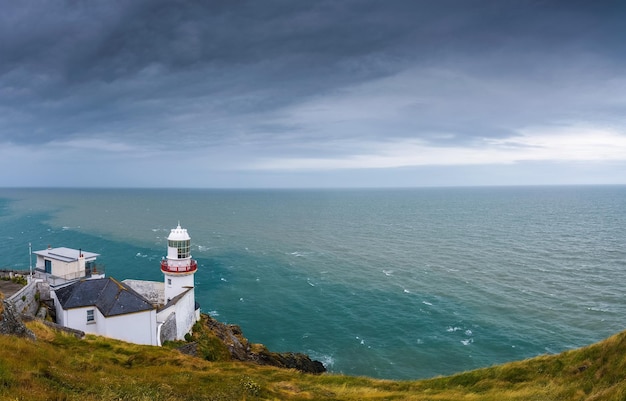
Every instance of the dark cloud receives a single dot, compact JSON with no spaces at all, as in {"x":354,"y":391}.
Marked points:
{"x":219,"y":71}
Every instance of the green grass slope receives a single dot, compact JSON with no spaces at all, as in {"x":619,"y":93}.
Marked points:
{"x":60,"y":367}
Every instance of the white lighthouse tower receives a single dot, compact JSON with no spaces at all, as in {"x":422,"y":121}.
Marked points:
{"x":178,"y":268}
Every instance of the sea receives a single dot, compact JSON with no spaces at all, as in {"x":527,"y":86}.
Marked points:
{"x":386,"y":283}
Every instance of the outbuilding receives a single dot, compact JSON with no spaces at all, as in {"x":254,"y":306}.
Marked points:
{"x":108,"y":308}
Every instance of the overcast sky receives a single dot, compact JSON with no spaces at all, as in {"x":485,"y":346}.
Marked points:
{"x":312,"y":93}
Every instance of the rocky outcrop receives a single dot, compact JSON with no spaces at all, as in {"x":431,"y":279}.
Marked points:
{"x":242,"y":350}
{"x":11,"y":323}
{"x":290,"y":360}
{"x":189,"y":349}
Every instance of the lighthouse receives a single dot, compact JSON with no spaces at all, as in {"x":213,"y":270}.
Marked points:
{"x":178,"y":268}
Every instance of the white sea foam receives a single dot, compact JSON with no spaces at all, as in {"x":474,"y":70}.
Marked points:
{"x":599,"y":309}
{"x":327,"y":360}
{"x":388,"y":272}
{"x":467,"y":342}
{"x":407,"y":291}
{"x":453,"y":329}
{"x":213,"y":313}
{"x":468,"y":332}
{"x":427,"y":303}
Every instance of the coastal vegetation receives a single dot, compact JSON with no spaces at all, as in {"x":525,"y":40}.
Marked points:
{"x":59,"y":366}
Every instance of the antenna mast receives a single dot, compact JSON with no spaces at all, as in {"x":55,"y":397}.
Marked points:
{"x":30,"y":260}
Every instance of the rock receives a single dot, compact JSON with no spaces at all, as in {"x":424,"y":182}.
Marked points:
{"x":189,"y":349}
{"x":290,"y":360}
{"x":11,"y":322}
{"x":230,"y":335}
{"x":241,"y":350}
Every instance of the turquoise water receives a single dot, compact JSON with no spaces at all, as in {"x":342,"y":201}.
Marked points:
{"x":398,"y":284}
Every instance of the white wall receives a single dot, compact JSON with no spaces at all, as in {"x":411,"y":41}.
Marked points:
{"x":185,"y":314}
{"x":179,"y":284}
{"x":139,"y":328}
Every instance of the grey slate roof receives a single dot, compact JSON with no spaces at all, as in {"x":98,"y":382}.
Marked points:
{"x":174,"y":300}
{"x":107,"y":294}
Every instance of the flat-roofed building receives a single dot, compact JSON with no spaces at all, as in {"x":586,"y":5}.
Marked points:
{"x":62,"y":265}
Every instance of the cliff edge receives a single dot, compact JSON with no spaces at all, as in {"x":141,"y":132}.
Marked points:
{"x":240,"y":349}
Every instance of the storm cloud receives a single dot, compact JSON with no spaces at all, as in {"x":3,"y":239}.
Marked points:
{"x":247,"y":93}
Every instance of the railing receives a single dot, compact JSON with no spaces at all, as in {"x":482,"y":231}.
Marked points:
{"x":40,"y":272}
{"x":191,"y":267}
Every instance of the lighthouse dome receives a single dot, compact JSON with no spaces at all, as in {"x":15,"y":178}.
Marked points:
{"x":178,"y":234}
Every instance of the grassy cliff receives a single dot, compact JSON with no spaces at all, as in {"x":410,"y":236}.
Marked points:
{"x":58,"y":366}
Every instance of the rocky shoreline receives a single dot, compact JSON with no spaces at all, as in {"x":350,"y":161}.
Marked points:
{"x":241,"y":349}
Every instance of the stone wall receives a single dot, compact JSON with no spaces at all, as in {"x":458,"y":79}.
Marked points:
{"x":153,"y":291}
{"x":25,"y":300}
{"x":168,"y":329}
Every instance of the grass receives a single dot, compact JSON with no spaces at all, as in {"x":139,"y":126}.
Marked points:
{"x":60,"y":367}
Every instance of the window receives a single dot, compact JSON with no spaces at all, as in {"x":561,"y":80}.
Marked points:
{"x":169,"y":281}
{"x":91,"y":318}
{"x":182,"y":247}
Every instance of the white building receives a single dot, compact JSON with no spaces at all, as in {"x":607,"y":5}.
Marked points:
{"x":143,"y":312}
{"x":108,"y":308}
{"x":62,"y":265}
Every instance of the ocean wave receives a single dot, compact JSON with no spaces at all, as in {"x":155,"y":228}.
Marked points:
{"x":298,"y":254}
{"x":599,"y":309}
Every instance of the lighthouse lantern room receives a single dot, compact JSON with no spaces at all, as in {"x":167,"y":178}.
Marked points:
{"x":178,"y":268}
